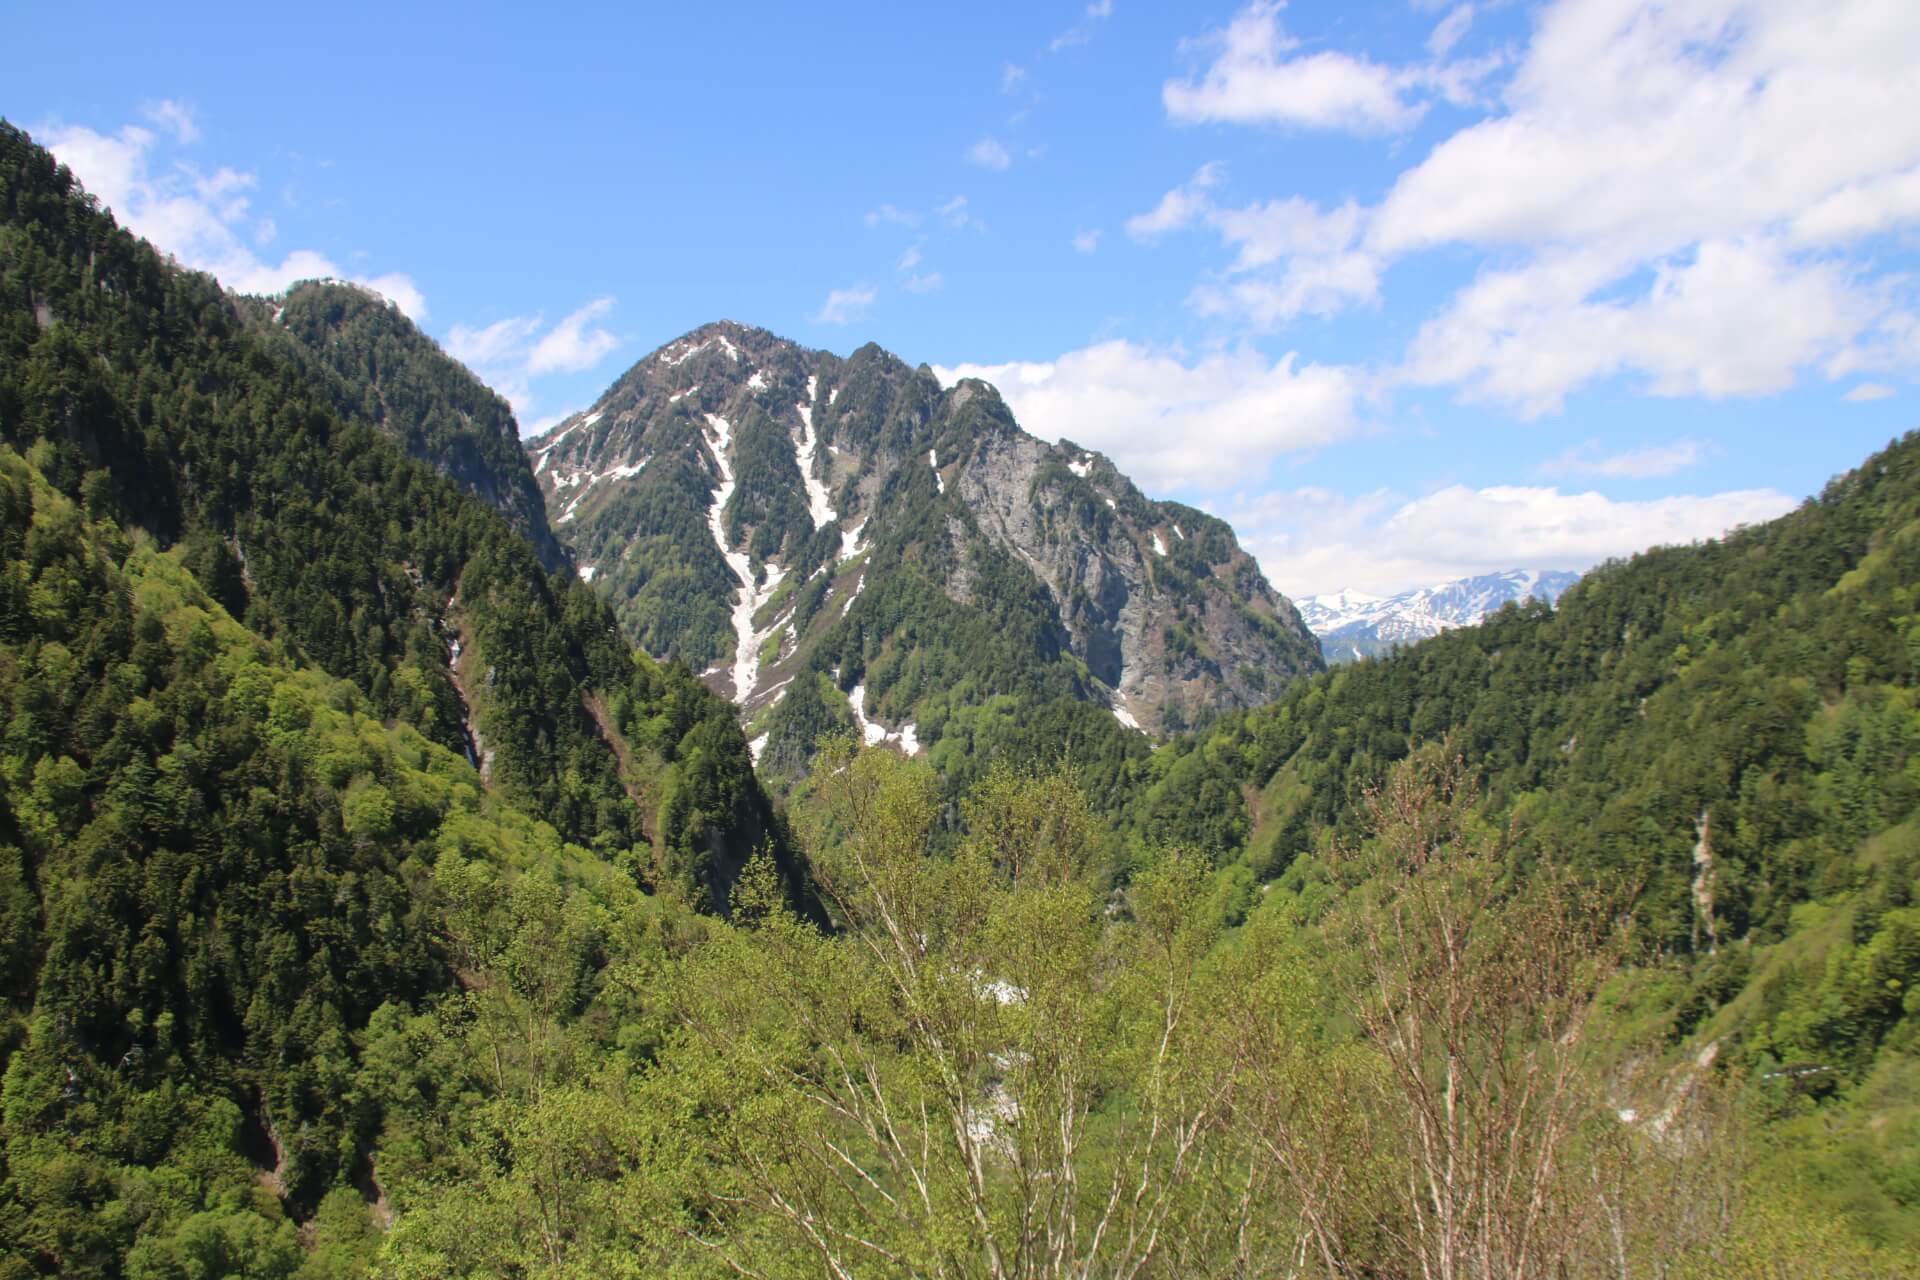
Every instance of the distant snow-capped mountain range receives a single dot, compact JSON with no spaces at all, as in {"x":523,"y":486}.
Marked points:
{"x":1352,"y":624}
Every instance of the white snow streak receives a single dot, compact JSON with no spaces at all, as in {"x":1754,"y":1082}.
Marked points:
{"x":907,"y":738}
{"x":586,"y":572}
{"x":1125,"y":717}
{"x":933,"y":460}
{"x":746,"y":654}
{"x":755,"y":747}
{"x":1080,"y":467}
{"x":819,"y":501}
{"x":682,"y":395}
{"x":758,"y":382}
{"x":850,"y":541}
{"x":1159,"y":544}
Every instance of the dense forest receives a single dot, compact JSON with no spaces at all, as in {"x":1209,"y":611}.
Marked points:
{"x":368,"y":908}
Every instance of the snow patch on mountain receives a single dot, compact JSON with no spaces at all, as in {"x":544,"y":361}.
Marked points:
{"x":1353,"y":624}
{"x":819,"y":500}
{"x":746,"y":654}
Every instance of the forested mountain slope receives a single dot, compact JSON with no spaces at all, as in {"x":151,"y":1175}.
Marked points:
{"x":836,"y":541}
{"x":376,"y":367}
{"x":1731,"y":729}
{"x":265,"y":682}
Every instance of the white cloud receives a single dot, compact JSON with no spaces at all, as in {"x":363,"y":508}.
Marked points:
{"x":510,"y":353}
{"x":1447,"y":34}
{"x":574,"y":345}
{"x":1086,"y":241}
{"x":1633,"y":464}
{"x":1096,"y":13}
{"x":1251,"y":81}
{"x":927,"y":283}
{"x":955,"y":214}
{"x":1168,"y":422}
{"x":1293,"y":257}
{"x":1011,"y":74}
{"x":844,"y":306}
{"x":1526,"y":337}
{"x":1311,"y":541}
{"x":1180,"y":207}
{"x":910,"y":259}
{"x":200,"y":219}
{"x":1868,"y":391}
{"x":1652,"y":179}
{"x":988,"y":154}
{"x":175,"y":117}
{"x":890,"y":214}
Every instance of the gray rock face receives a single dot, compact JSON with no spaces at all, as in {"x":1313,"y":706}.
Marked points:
{"x":791,"y":522}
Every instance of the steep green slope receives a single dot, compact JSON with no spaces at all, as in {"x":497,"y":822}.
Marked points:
{"x":1731,"y":730}
{"x":153,"y":403}
{"x":377,"y":367}
{"x":213,"y":870}
{"x":286,"y":718}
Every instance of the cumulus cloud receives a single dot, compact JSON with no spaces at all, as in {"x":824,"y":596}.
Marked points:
{"x":1650,"y":180}
{"x":204,"y":220}
{"x":988,"y":154}
{"x":1291,"y":256}
{"x":1313,"y":542}
{"x":1527,"y":337}
{"x":844,"y":306}
{"x":1169,"y":421}
{"x":1253,"y":80}
{"x":510,"y":353}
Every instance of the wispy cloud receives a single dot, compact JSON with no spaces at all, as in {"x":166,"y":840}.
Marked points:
{"x":1649,"y":463}
{"x":892,"y":215}
{"x":988,"y":154}
{"x":1086,"y":241}
{"x":176,"y":118}
{"x":1180,"y":207}
{"x":1082,"y":31}
{"x":927,"y":283}
{"x":1868,"y":391}
{"x":844,"y":306}
{"x":511,"y":353}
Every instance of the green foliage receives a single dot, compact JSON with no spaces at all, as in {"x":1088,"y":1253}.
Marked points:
{"x":375,"y":367}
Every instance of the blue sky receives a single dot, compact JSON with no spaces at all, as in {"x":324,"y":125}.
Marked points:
{"x":1405,"y":290}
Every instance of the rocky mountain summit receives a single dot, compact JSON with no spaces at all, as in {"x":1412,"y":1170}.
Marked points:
{"x":845,"y":541}
{"x":1352,"y":624}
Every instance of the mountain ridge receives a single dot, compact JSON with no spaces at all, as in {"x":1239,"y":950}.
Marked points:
{"x":1353,"y":624}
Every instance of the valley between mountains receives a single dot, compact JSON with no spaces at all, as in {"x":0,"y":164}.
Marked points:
{"x":788,"y":820}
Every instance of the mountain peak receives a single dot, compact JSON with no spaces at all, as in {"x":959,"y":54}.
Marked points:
{"x":798,"y":526}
